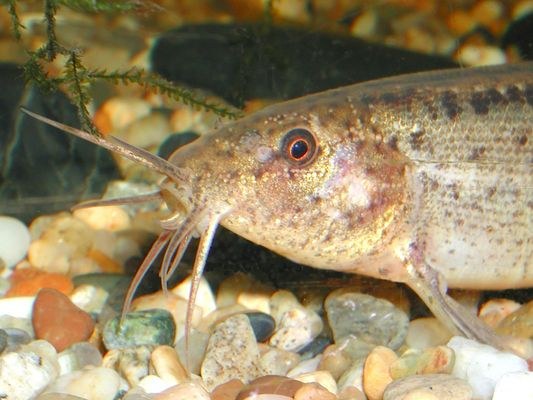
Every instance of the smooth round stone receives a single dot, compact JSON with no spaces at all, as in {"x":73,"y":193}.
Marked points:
{"x":275,"y":361}
{"x":89,"y":298}
{"x":424,"y":333}
{"x":515,"y":386}
{"x":376,"y":372}
{"x":16,"y":338}
{"x":18,"y":307}
{"x":314,"y":348}
{"x":368,"y":318}
{"x":232,"y":353}
{"x":435,"y":360}
{"x":28,"y":282}
{"x":78,"y":356}
{"x":171,"y":302}
{"x":167,"y":365}
{"x":323,"y":378}
{"x":146,"y":327}
{"x":305,"y":366}
{"x":197,"y":346}
{"x":58,"y":321}
{"x":495,"y":310}
{"x":132,"y":363}
{"x":35,"y":363}
{"x":519,"y":323}
{"x":91,"y":383}
{"x":205,"y":299}
{"x":313,"y":391}
{"x":430,"y":387}
{"x":228,"y":390}
{"x":262,"y":324}
{"x":154,"y":384}
{"x":109,"y":218}
{"x":482,"y":366}
{"x":14,"y":240}
{"x":296,"y":328}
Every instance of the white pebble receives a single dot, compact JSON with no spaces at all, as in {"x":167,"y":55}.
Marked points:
{"x":482,"y":366}
{"x":515,"y":385}
{"x":109,"y":218}
{"x":424,"y":333}
{"x":296,"y":329}
{"x":205,"y":299}
{"x":18,"y":307}
{"x":14,"y":240}
{"x":305,"y":367}
{"x":91,"y":384}
{"x":323,"y":378}
{"x":154,"y":384}
{"x":35,"y":363}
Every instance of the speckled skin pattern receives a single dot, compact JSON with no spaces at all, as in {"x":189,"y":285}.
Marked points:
{"x":431,"y":167}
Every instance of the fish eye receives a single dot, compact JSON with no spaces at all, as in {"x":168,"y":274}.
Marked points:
{"x":299,"y":146}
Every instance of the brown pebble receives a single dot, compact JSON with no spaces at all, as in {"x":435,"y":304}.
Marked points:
{"x":57,"y":320}
{"x":28,"y":281}
{"x":227,"y":391}
{"x":271,"y":384}
{"x":313,"y":391}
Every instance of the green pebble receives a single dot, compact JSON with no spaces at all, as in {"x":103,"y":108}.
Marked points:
{"x":146,"y":327}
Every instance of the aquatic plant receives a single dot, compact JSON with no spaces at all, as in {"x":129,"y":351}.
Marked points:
{"x":77,"y":78}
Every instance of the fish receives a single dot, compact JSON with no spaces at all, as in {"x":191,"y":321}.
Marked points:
{"x":424,"y":179}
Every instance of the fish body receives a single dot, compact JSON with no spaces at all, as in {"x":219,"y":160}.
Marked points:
{"x":424,"y":179}
{"x":435,"y":166}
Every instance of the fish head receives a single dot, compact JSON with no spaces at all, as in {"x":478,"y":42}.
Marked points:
{"x":305,"y":178}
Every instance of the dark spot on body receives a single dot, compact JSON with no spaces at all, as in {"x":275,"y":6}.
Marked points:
{"x":522,"y":140}
{"x":389,"y":98}
{"x":449,"y":102}
{"x":460,"y":222}
{"x":416,"y":140}
{"x":480,"y":103}
{"x":514,"y":95}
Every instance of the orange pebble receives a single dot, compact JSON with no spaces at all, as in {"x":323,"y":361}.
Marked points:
{"x":28,"y":281}
{"x":106,"y":263}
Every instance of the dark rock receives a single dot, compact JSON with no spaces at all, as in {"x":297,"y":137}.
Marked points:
{"x":43,"y":170}
{"x":262,"y":324}
{"x":314,"y":348}
{"x":243,"y":61}
{"x":139,"y":328}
